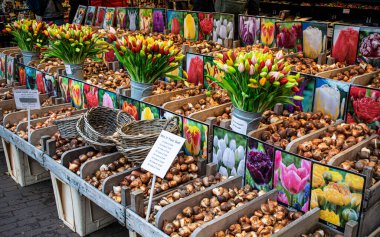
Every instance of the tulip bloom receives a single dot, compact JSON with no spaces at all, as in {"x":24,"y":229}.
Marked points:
{"x":193,"y":139}
{"x":294,"y":180}
{"x":260,"y":166}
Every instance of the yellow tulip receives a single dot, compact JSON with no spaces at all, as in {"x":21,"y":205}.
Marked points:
{"x":338,"y":194}
{"x":330,"y":217}
{"x":189,"y":31}
{"x":355,"y":182}
{"x":147,"y":114}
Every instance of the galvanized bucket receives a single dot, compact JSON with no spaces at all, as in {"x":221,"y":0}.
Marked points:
{"x":244,"y":122}
{"x":29,"y":56}
{"x":140,"y":90}
{"x":74,"y":71}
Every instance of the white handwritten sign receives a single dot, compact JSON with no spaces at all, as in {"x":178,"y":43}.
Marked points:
{"x":163,"y":153}
{"x":27,"y":99}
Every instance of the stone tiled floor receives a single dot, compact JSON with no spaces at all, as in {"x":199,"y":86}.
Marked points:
{"x":31,"y":211}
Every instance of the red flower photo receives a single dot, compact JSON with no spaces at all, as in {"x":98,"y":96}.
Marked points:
{"x":91,"y":96}
{"x":205,"y":25}
{"x":364,"y":107}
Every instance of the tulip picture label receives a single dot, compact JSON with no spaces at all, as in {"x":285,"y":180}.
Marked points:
{"x":163,"y":153}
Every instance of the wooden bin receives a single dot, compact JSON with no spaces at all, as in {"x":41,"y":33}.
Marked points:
{"x":76,"y":211}
{"x":22,"y":168}
{"x":161,"y":99}
{"x":350,"y":229}
{"x":209,"y":116}
{"x":174,"y":105}
{"x":370,"y":220}
{"x":295,"y":228}
{"x":375,"y":233}
{"x":332,"y":73}
{"x":365,"y":79}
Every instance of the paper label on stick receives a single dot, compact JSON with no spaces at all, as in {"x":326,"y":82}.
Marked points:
{"x":163,"y":153}
{"x":27,"y":99}
{"x":239,"y":125}
{"x":68,"y":69}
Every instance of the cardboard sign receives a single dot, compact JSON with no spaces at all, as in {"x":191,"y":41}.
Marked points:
{"x":27,"y":99}
{"x":239,"y":125}
{"x":163,"y":153}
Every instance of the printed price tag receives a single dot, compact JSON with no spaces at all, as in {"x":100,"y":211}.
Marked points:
{"x":163,"y":153}
{"x":27,"y":99}
{"x":346,"y":11}
{"x":239,"y":125}
{"x":68,"y":69}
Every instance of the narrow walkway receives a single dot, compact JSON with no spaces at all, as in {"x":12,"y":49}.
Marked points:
{"x":31,"y":211}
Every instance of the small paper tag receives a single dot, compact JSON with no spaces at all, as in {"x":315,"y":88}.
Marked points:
{"x":239,"y":125}
{"x":68,"y":69}
{"x":163,"y":153}
{"x":346,"y":11}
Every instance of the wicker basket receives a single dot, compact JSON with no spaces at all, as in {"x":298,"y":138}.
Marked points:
{"x":101,"y":122}
{"x":138,"y":137}
{"x":97,"y":145}
{"x":67,"y":126}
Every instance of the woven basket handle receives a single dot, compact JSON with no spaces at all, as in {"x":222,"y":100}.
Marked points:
{"x":170,"y":120}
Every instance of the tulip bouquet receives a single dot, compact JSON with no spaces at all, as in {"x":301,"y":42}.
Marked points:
{"x":146,"y":59}
{"x":256,"y":81}
{"x":74,"y":43}
{"x":28,"y":34}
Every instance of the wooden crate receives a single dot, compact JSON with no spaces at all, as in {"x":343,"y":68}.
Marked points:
{"x":332,"y":73}
{"x":10,"y":89}
{"x":209,"y":116}
{"x":76,"y":211}
{"x":90,"y":167}
{"x":161,"y":99}
{"x":23,"y":169}
{"x":174,"y":105}
{"x":295,"y":228}
{"x":370,"y":220}
{"x":350,"y":230}
{"x":375,"y":233}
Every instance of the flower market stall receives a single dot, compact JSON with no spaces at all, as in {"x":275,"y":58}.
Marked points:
{"x":279,"y":138}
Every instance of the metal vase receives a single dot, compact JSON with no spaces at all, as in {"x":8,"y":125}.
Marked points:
{"x":140,"y":90}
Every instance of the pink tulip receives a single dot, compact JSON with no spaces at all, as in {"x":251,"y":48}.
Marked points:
{"x":277,"y":163}
{"x":294,"y":180}
{"x":282,"y":198}
{"x":279,"y":55}
{"x":251,"y":70}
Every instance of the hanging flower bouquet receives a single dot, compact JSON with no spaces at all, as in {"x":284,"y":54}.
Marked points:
{"x":257,"y":81}
{"x":74,"y":43}
{"x":28,"y":34}
{"x":146,"y":59}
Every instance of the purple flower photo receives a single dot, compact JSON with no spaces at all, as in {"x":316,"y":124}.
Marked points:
{"x":249,"y":29}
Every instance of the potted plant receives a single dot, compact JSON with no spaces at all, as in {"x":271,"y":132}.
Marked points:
{"x":146,"y":60}
{"x":29,"y":37}
{"x":73,"y":44}
{"x":255,"y":82}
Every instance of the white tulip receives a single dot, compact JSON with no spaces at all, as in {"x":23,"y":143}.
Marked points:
{"x":229,"y":158}
{"x":223,"y":171}
{"x":240,"y":151}
{"x":225,"y":22}
{"x":219,"y":156}
{"x":226,"y":138}
{"x":215,"y":142}
{"x":214,"y":157}
{"x":232,"y":145}
{"x":233,"y":172}
{"x":241,"y":168}
{"x":223,"y":32}
{"x":222,"y":145}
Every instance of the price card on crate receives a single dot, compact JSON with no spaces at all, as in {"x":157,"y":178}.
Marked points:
{"x":27,"y":99}
{"x":163,"y":153}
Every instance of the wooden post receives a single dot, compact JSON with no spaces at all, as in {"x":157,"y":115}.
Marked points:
{"x":59,"y":100}
{"x":351,"y":229}
{"x":202,"y":166}
{"x":43,"y":141}
{"x":211,"y":169}
{"x":225,"y":123}
{"x":51,"y":147}
{"x":137,"y":205}
{"x":278,"y":108}
{"x":368,"y":172}
{"x":330,"y":60}
{"x":125,"y":196}
{"x":236,"y":44}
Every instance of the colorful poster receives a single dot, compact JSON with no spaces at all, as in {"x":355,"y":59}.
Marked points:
{"x":306,"y":90}
{"x":223,"y":27}
{"x":369,"y":46}
{"x":90,"y":16}
{"x":194,"y":68}
{"x":314,"y":38}
{"x":132,"y":19}
{"x":168,"y":115}
{"x":268,"y":32}
{"x":159,"y":20}
{"x":190,"y":26}
{"x":210,"y":69}
{"x":131,"y":106}
{"x":91,"y":96}
{"x":149,"y":112}
{"x":338,"y":193}
{"x":345,"y":43}
{"x":109,"y":18}
{"x":330,"y":97}
{"x":196,"y":135}
{"x":2,"y":66}
{"x":64,"y":87}
{"x":249,"y":30}
{"x":229,"y":152}
{"x":80,"y":14}
{"x":259,"y":165}
{"x":175,"y":22}
{"x":40,"y":82}
{"x":206,"y":22}
{"x":292,"y":179}
{"x":100,"y":16}
{"x":30,"y":78}
{"x":364,"y":107}
{"x":121,"y":17}
{"x":10,"y":69}
{"x":289,"y":36}
{"x":21,"y":74}
{"x":107,"y":99}
{"x":50,"y":85}
{"x":146,"y":19}
{"x":76,"y":93}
